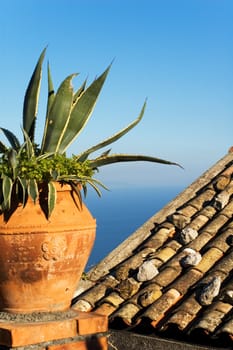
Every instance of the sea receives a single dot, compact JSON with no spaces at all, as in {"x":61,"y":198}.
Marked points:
{"x":120,"y":212}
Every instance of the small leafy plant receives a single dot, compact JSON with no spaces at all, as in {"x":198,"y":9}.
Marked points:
{"x":26,"y":166}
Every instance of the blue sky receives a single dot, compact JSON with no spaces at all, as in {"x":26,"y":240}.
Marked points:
{"x":177,"y":54}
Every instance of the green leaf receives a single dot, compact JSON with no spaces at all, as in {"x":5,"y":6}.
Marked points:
{"x":59,"y":115}
{"x":51,"y":96}
{"x":96,"y":188}
{"x":14,"y":142}
{"x":7,"y":186}
{"x":52,"y":197}
{"x":45,"y":155}
{"x":3,"y":148}
{"x":33,"y":189}
{"x":51,"y":92}
{"x":113,"y":138}
{"x":118,"y":158}
{"x":23,"y":183}
{"x":28,"y":145}
{"x":81,"y":111}
{"x":79,"y":91}
{"x":12,"y":161}
{"x":31,"y":99}
{"x":75,"y":188}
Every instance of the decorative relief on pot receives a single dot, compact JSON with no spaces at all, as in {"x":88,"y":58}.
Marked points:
{"x":54,"y":248}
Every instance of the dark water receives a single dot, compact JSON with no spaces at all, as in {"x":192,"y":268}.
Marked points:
{"x":120,"y":212}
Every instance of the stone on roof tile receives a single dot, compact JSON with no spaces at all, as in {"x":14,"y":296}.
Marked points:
{"x":191,"y":258}
{"x":147,"y":271}
{"x":222,"y":199}
{"x":127,"y":288}
{"x":209,"y":291}
{"x":187,"y":235}
{"x":122,"y":272}
{"x":179,"y":220}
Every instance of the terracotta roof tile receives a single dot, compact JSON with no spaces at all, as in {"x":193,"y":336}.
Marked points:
{"x":160,"y":307}
{"x":187,"y":280}
{"x":227,"y":328}
{"x":212,"y":317}
{"x":127,"y":313}
{"x":185,"y":313}
{"x":177,"y":268}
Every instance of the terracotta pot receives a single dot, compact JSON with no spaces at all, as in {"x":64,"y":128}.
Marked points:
{"x":41,"y":261}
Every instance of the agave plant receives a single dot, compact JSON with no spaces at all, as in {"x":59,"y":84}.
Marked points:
{"x":25,"y":166}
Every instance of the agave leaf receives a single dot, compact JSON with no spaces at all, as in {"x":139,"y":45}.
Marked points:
{"x":33,"y":189}
{"x":58,"y":117}
{"x":52,"y":197}
{"x":113,"y":138}
{"x":23,"y":183}
{"x":84,"y":190}
{"x":76,"y":189}
{"x":51,"y":92}
{"x":31,"y":99}
{"x":12,"y":161}
{"x":51,"y":96}
{"x":96,"y":188}
{"x":79,"y":91}
{"x":81,"y":111}
{"x":106,"y":153}
{"x":116,"y":158}
{"x":14,"y":142}
{"x":28,"y":145}
{"x":45,"y":155}
{"x":3,"y":148}
{"x":95,"y":184}
{"x":7,"y":186}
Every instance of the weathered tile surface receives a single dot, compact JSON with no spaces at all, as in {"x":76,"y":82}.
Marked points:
{"x":192,"y":292}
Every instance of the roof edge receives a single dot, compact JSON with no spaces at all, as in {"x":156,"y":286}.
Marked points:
{"x":124,"y":250}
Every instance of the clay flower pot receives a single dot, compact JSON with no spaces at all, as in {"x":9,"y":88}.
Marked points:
{"x":42,"y":260}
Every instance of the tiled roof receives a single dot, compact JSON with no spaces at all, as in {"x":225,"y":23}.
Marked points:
{"x":176,"y":271}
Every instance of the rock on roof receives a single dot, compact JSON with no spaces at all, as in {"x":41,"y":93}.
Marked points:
{"x":175,"y":272}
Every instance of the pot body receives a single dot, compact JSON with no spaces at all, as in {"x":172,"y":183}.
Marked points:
{"x":42,"y":260}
